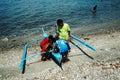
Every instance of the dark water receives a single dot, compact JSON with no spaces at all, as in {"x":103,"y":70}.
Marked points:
{"x":23,"y":17}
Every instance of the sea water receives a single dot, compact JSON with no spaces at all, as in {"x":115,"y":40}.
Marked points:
{"x":25,"y":17}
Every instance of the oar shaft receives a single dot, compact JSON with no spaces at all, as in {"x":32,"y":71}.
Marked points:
{"x":83,"y":42}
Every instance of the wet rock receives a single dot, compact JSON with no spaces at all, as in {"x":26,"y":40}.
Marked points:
{"x":36,"y":78}
{"x":106,"y":49}
{"x":86,"y":38}
{"x":85,"y":77}
{"x":113,"y":49}
{"x":14,"y":40}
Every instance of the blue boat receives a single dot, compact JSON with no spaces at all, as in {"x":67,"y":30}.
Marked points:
{"x":56,"y":56}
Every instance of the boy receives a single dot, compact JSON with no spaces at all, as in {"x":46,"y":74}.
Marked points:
{"x":46,"y":46}
{"x":63,"y":31}
{"x":60,"y":46}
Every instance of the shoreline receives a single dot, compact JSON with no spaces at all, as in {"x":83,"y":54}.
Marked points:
{"x":7,"y":43}
{"x":18,"y":42}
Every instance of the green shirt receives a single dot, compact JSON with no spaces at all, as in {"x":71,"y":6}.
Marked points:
{"x":63,"y":31}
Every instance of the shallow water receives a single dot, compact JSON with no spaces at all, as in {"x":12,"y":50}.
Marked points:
{"x":25,"y":17}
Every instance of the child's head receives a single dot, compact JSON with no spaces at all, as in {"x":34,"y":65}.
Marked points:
{"x":51,"y":38}
{"x":60,"y":22}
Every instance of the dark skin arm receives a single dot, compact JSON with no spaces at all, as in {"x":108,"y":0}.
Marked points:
{"x":69,"y":36}
{"x":57,"y":35}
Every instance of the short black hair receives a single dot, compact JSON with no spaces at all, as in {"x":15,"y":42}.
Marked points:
{"x":59,"y":21}
{"x":50,"y":36}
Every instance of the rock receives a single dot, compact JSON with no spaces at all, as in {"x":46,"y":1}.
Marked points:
{"x":95,"y":64}
{"x":86,"y":38}
{"x":36,"y":78}
{"x":107,"y":49}
{"x":5,"y":39}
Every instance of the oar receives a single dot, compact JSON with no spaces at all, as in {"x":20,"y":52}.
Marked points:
{"x":83,"y":42}
{"x":81,"y":50}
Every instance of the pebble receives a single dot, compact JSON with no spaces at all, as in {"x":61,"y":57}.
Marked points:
{"x":36,"y":78}
{"x":86,"y":38}
{"x":107,"y":49}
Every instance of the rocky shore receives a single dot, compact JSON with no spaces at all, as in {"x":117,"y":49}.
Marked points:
{"x":84,"y":64}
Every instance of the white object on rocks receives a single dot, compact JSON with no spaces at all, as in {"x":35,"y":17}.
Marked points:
{"x":5,"y":39}
{"x":0,"y":76}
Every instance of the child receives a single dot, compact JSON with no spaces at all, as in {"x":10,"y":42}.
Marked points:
{"x":60,"y":46}
{"x":46,"y":46}
{"x":63,"y":31}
